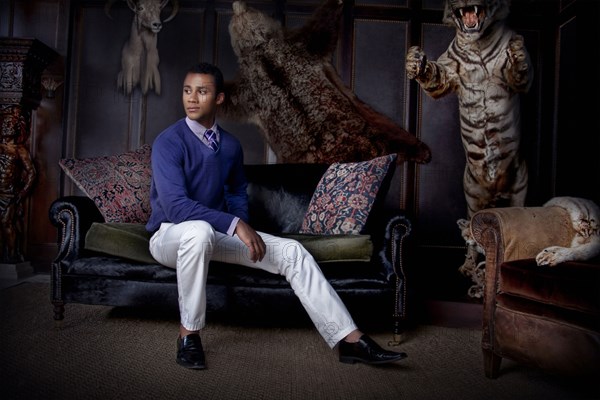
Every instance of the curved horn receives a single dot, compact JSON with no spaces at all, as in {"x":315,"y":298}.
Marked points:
{"x":132,"y":4}
{"x":107,"y":8}
{"x":174,"y":11}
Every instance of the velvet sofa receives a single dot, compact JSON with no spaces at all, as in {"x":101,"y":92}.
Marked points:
{"x":103,"y":262}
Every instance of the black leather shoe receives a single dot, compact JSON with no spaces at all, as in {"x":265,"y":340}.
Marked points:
{"x":189,"y":352}
{"x":367,"y":351}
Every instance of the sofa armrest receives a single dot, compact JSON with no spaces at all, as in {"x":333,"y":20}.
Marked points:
{"x":397,"y":230}
{"x":72,"y":216}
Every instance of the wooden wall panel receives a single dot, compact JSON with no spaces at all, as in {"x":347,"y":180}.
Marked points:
{"x":577,"y":163}
{"x":177,"y":53}
{"x":379,"y":80}
{"x":440,"y":199}
{"x":40,"y":19}
{"x":380,"y":3}
{"x":370,"y":58}
{"x":195,"y":34}
{"x":47,"y":21}
{"x":102,"y":121}
{"x":433,"y":4}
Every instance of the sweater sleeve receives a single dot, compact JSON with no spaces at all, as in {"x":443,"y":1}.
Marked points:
{"x":171,"y":194}
{"x":236,"y":195}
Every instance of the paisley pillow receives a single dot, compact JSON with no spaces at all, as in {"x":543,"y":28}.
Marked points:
{"x":344,"y":197}
{"x":119,"y":184}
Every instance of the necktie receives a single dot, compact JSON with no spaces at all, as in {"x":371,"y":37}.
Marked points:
{"x":211,"y":138}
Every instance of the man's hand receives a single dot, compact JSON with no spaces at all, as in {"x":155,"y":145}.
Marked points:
{"x":252,"y":240}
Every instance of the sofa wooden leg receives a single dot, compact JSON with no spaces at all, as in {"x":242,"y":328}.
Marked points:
{"x":491,"y":364}
{"x":59,"y":311}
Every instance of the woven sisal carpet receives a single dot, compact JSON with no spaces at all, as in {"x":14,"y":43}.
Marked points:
{"x":108,"y":353}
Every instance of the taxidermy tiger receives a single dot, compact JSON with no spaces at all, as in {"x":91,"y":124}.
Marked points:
{"x":585,"y":217}
{"x":487,"y":66}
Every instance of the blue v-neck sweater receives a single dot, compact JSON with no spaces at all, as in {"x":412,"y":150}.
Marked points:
{"x":192,"y":182}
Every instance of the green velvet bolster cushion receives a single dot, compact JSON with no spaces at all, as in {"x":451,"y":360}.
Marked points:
{"x":127,"y":240}
{"x":130,"y":241}
{"x":335,"y":248}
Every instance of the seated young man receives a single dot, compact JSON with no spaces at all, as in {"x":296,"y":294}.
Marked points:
{"x":200,"y":213}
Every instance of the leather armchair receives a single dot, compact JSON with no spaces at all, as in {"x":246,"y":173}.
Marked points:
{"x":546,"y":317}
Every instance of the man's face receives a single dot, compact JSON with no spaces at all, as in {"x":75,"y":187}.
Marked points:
{"x":200,"y":99}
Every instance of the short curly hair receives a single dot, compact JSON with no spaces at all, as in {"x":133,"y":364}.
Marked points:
{"x":209,"y":69}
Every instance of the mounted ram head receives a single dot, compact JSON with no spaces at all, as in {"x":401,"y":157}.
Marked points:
{"x":139,"y":57}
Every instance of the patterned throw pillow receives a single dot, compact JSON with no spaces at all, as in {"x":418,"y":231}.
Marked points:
{"x":119,"y":185}
{"x":343,"y":198}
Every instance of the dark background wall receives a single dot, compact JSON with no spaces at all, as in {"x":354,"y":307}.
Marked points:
{"x":89,"y":117}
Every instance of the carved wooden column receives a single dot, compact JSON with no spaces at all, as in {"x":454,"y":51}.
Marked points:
{"x":22,"y":62}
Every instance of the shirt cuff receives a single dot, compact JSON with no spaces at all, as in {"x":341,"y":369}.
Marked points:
{"x":231,"y":229}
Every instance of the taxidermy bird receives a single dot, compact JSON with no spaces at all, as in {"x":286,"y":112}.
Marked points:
{"x":287,"y":86}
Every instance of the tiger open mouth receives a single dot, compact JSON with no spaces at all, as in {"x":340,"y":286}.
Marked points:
{"x":470,"y":18}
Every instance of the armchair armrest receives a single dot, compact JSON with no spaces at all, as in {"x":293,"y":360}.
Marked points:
{"x":72,"y":216}
{"x":512,"y":233}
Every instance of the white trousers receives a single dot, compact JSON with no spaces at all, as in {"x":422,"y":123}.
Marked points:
{"x":189,"y":246}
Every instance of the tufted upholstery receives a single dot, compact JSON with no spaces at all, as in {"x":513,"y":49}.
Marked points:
{"x":372,"y":289}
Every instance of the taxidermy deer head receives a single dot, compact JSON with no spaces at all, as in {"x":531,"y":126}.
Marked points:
{"x":139,"y":57}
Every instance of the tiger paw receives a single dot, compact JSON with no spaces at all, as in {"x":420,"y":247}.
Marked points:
{"x":517,"y":53}
{"x":415,"y":62}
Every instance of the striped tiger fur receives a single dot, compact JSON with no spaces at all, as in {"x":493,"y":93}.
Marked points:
{"x":487,"y":66}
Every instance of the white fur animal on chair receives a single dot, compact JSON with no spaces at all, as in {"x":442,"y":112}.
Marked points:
{"x":585,"y":216}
